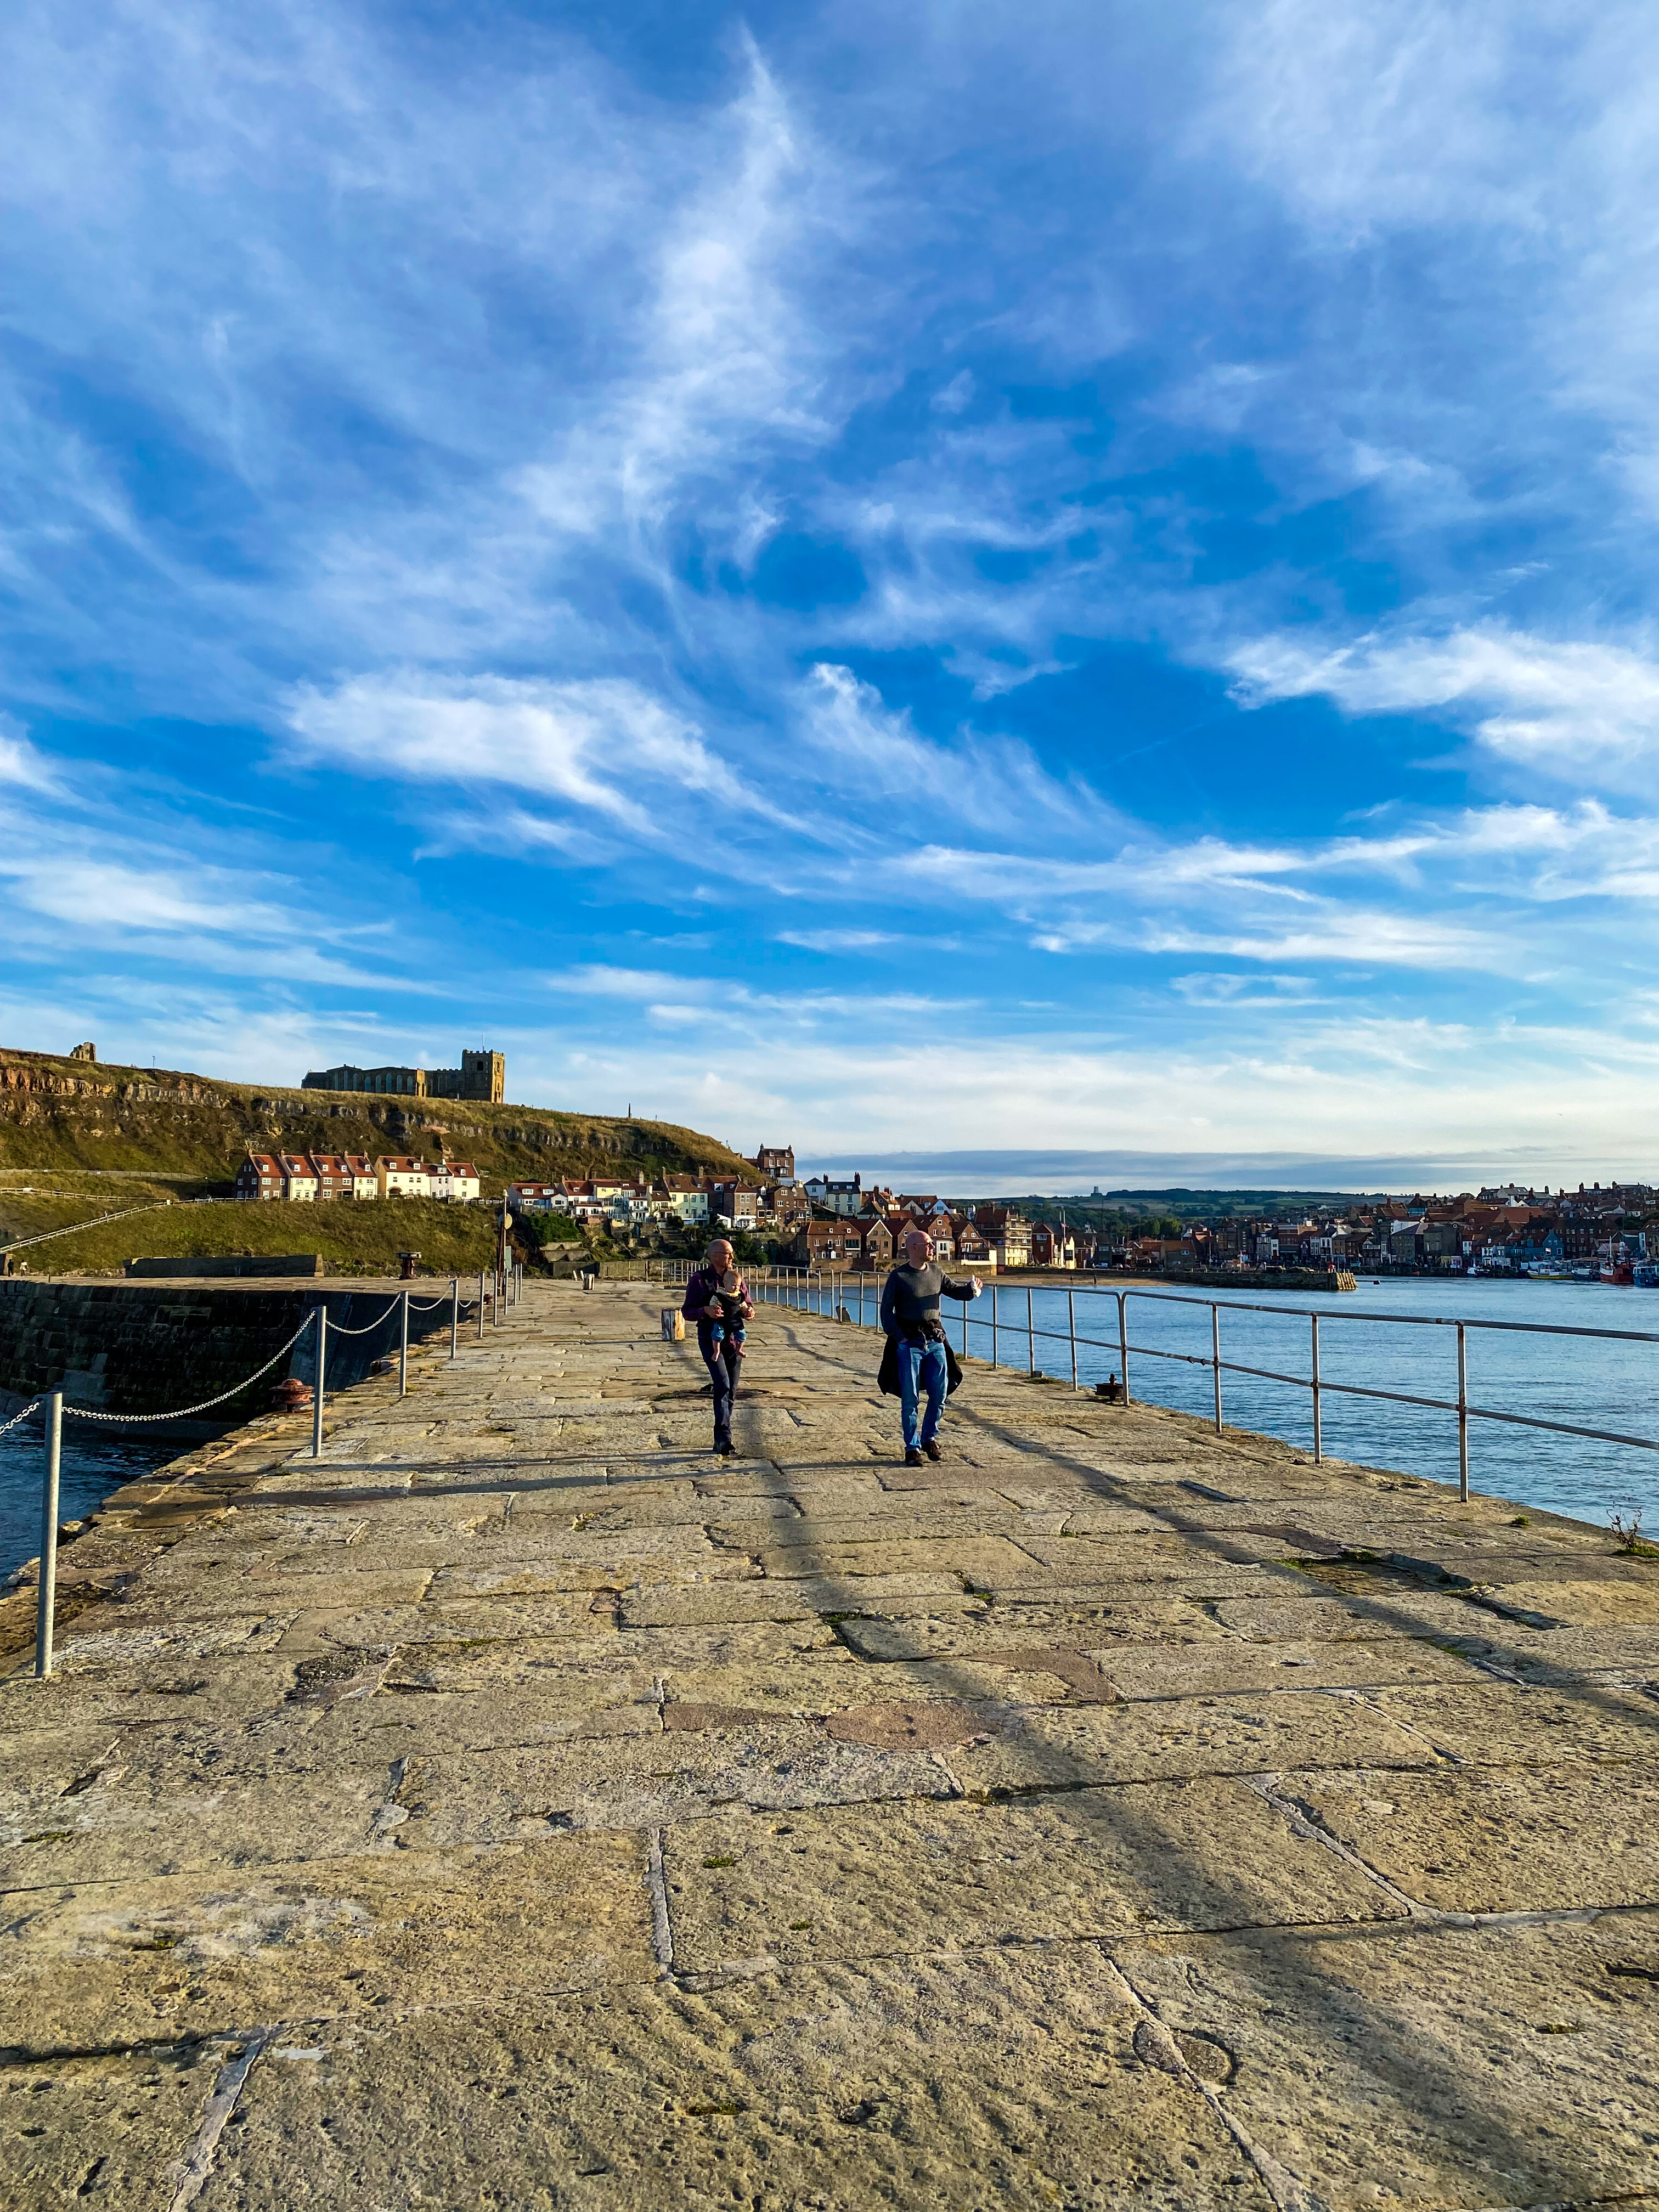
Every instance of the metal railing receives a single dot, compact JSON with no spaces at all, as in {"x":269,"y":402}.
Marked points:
{"x":833,"y":1296}
{"x":507,"y":1287}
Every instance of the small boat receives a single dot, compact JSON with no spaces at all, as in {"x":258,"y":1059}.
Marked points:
{"x":1644,"y":1275}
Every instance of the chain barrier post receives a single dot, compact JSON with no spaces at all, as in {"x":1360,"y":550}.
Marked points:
{"x":1319,"y":1433}
{"x":403,"y":1346}
{"x":46,"y":1608}
{"x":994,"y":1324}
{"x":1462,"y":1416}
{"x":481,"y":1281}
{"x":317,"y":1392}
{"x":1071,"y":1329}
{"x":454,"y":1314}
{"x":1122,"y":1297}
{"x":1215,"y":1359}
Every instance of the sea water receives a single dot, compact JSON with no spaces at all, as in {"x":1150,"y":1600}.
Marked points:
{"x":94,"y":1460}
{"x":1591,"y":1381}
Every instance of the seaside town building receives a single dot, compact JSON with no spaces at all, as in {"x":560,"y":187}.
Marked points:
{"x":836,"y":1194}
{"x":305,"y":1178}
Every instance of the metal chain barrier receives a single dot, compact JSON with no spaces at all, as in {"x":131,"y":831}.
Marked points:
{"x":34,"y":1406}
{"x":335,"y":1328}
{"x":181,"y":1412}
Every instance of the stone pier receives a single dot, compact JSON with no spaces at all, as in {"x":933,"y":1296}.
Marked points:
{"x":521,"y":1808}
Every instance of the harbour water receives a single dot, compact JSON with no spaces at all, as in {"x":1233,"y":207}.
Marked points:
{"x":1596,"y":1383}
{"x":94,"y":1463}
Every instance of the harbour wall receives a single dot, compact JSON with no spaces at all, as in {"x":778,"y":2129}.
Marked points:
{"x":144,"y":1348}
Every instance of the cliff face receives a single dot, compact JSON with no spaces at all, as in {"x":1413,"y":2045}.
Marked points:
{"x":57,"y":1113}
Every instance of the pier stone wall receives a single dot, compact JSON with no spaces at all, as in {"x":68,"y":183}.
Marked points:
{"x":141,"y":1347}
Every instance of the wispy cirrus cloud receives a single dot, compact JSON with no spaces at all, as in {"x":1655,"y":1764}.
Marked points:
{"x":1581,"y":711}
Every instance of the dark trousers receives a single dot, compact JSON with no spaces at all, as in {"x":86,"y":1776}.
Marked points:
{"x":722,"y":1361}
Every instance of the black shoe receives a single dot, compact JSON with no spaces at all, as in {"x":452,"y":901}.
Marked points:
{"x":725,"y":1448}
{"x":932,"y":1449}
{"x":912,"y":1459}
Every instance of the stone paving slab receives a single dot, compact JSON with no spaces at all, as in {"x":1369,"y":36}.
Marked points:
{"x":521,"y":1806}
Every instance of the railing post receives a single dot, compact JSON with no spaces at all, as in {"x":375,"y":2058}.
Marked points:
{"x":403,"y":1346}
{"x":47,"y":1605}
{"x":994,"y":1324}
{"x":1215,"y":1360}
{"x":1071,"y":1330}
{"x":321,"y":1384}
{"x":1462,"y":1416}
{"x":481,"y":1284}
{"x":1122,"y":1297}
{"x":454,"y":1315}
{"x":1031,"y":1334}
{"x":1319,"y":1433}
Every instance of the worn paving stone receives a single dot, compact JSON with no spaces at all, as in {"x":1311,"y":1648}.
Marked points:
{"x":1012,"y":2082}
{"x":523,"y":1805}
{"x":1061,"y":1747}
{"x":889,"y":1880}
{"x":170,"y":1958}
{"x":1500,"y":1839}
{"x":1429,"y":2065}
{"x":102,"y":2128}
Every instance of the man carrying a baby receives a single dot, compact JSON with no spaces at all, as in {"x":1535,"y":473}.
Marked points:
{"x":717,"y":1298}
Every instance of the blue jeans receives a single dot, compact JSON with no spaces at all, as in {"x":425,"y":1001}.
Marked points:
{"x":921,"y":1366}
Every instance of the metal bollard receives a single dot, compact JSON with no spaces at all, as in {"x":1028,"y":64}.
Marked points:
{"x":1071,"y":1330}
{"x":1031,"y":1338}
{"x":403,"y":1346}
{"x":46,"y":1608}
{"x":454,"y":1314}
{"x":481,"y":1284}
{"x":317,"y":1391}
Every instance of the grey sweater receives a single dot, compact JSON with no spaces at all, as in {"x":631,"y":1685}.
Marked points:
{"x":909,"y":1303}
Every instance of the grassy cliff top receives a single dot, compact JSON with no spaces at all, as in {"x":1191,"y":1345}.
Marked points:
{"x":62,"y":1114}
{"x":353,"y":1239}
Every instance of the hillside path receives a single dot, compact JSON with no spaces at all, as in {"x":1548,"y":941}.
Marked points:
{"x":521,"y":1808}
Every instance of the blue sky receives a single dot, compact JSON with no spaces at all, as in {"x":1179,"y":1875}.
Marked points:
{"x":1063,"y":580}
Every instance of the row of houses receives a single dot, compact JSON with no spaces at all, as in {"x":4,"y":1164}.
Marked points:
{"x":308,"y":1178}
{"x":1501,"y":1229}
{"x":634,"y":1202}
{"x":988,"y":1240}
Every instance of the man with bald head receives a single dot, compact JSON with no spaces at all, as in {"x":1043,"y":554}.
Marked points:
{"x":909,"y":1314}
{"x":714,"y":1280}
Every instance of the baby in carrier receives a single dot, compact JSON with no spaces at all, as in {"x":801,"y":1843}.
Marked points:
{"x":728,"y":1296}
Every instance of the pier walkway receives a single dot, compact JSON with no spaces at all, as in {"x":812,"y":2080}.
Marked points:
{"x":521,"y":1809}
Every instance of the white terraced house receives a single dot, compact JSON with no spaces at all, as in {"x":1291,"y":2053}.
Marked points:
{"x":455,"y":1179}
{"x":299,"y":1177}
{"x":687,"y":1197}
{"x":397,"y":1176}
{"x":364,"y":1182}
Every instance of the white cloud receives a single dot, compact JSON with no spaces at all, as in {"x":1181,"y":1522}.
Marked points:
{"x":1581,"y":710}
{"x":21,"y":765}
{"x":604,"y":745}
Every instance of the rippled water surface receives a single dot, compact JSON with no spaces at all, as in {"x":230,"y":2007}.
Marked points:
{"x":93,"y":1465}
